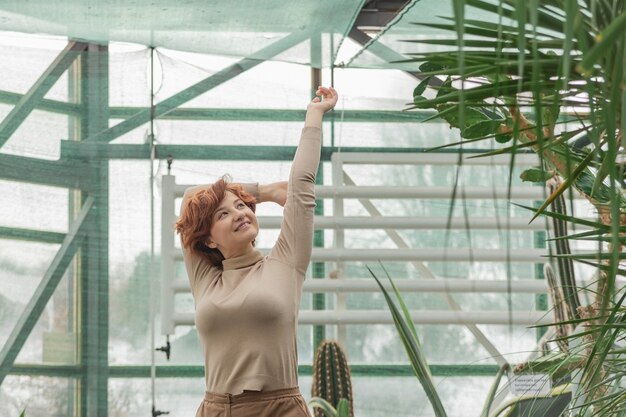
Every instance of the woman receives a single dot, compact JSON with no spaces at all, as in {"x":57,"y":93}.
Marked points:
{"x":247,"y":304}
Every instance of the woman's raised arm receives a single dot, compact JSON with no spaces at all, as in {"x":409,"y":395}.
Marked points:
{"x":295,"y":241}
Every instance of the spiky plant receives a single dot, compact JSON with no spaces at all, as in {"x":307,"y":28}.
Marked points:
{"x":331,"y":376}
{"x":549,"y":76}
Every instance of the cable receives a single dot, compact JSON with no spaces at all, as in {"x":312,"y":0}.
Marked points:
{"x":152,"y":143}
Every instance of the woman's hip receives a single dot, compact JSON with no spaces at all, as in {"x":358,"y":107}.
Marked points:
{"x":286,"y":402}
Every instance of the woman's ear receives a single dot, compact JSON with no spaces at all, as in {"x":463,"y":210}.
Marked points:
{"x":211,"y":244}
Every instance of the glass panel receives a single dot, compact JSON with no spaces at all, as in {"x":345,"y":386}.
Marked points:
{"x":37,"y":396}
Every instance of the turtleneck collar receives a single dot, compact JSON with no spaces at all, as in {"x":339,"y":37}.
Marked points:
{"x":242,"y":261}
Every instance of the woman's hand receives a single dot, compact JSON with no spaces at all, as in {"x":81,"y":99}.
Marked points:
{"x":328,"y":102}
{"x":275,"y":192}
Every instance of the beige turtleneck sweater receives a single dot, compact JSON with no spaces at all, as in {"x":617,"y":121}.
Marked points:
{"x":247,"y":313}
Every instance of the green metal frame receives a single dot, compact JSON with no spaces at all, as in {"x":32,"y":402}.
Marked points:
{"x":234,"y":114}
{"x":70,"y":150}
{"x":52,"y":106}
{"x":93,"y":269}
{"x":196,"y":90}
{"x":62,"y":173}
{"x":29,"y":101}
{"x":25,"y":324}
{"x":197,"y":371}
{"x":31,"y":235}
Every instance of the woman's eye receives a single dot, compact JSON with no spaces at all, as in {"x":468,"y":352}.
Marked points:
{"x":241,"y":205}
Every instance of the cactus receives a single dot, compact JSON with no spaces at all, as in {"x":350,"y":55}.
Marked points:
{"x":331,"y":376}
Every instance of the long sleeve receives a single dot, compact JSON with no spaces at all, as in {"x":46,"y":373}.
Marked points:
{"x":295,"y":241}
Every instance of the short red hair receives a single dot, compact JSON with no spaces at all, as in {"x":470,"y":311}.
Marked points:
{"x":196,"y":216}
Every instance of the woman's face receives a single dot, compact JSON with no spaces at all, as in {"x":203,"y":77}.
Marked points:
{"x":234,"y":227}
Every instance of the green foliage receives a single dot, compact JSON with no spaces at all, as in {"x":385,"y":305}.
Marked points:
{"x":412,"y":345}
{"x":536,"y":175}
{"x":323,"y":406}
{"x":331,"y":377}
{"x":23,"y":413}
{"x":514,"y":73}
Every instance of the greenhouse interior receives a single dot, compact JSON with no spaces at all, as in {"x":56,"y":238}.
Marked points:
{"x":469,"y":212}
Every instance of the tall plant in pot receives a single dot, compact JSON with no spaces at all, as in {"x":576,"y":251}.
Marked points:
{"x":550,"y":76}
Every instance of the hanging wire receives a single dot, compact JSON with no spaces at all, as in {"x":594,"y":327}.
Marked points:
{"x":152,"y":281}
{"x":153,"y":177}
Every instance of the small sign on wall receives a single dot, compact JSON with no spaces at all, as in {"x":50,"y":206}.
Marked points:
{"x":531,"y":384}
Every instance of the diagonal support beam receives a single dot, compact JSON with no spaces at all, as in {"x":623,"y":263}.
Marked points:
{"x":199,"y":88}
{"x":52,"y":106}
{"x":424,"y":271}
{"x":45,"y":289}
{"x":37,"y":92}
{"x":30,"y":235}
{"x":384,"y":52}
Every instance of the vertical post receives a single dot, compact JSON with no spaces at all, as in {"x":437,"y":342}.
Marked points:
{"x":319,"y":270}
{"x":339,"y":241}
{"x":93,"y":271}
{"x":74,"y":204}
{"x":168,"y":263}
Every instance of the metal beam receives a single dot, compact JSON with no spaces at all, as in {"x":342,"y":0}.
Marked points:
{"x":31,"y":235}
{"x":279,"y":115}
{"x":93,"y":269}
{"x":197,"y":371}
{"x":45,"y":82}
{"x":378,"y":13}
{"x":52,"y":106}
{"x":384,"y":52}
{"x":54,"y":173}
{"x":198,"y":89}
{"x":90,"y":150}
{"x":45,"y":289}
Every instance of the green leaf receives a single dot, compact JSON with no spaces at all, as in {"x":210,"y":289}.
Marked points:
{"x":572,"y":219}
{"x":418,"y":99}
{"x":407,"y":316}
{"x":536,"y":175}
{"x":343,"y":408}
{"x":421,"y":87}
{"x":604,"y":45}
{"x":327,"y":408}
{"x":430,"y":67}
{"x":482,"y":128}
{"x":412,"y":348}
{"x":478,"y":122}
{"x":503,"y":137}
{"x":586,"y":182}
{"x":565,"y":184}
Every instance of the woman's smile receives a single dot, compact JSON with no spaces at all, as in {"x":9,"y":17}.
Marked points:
{"x":245,"y":225}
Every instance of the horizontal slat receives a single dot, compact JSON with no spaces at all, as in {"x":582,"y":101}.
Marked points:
{"x":449,"y":285}
{"x":444,"y":193}
{"x":434,"y":255}
{"x":523,"y":318}
{"x":445,"y":285}
{"x":433,"y":158}
{"x":423,"y":223}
